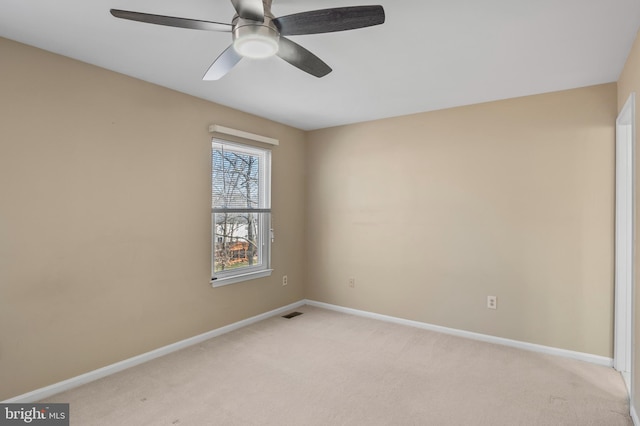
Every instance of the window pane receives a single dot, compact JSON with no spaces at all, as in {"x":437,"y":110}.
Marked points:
{"x":238,"y":241}
{"x":235,"y":179}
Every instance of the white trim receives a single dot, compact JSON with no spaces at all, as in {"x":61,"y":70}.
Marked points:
{"x":594,"y":359}
{"x":232,"y":279}
{"x":215,"y":128}
{"x":624,"y":238}
{"x":82,"y":379}
{"x":634,"y":416}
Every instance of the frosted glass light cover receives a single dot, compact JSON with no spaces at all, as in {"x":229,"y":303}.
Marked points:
{"x":256,"y":46}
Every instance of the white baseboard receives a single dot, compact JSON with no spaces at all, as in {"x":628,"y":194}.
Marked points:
{"x":634,"y":415}
{"x":594,"y":359}
{"x":74,"y":382}
{"x":82,"y":379}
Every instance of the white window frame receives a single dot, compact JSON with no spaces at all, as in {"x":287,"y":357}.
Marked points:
{"x":231,"y":276}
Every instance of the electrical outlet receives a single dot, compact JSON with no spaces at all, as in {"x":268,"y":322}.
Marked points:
{"x":352,"y":282}
{"x":285,"y":281}
{"x":492,"y":302}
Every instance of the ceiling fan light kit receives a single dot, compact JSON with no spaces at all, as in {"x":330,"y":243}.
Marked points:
{"x":256,"y":33}
{"x":256,"y":41}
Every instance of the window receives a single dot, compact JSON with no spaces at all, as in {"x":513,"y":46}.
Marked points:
{"x":240,"y":212}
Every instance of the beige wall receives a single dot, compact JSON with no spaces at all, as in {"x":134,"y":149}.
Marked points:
{"x":430,"y":213}
{"x":105,"y":195}
{"x":628,"y":83}
{"x":105,"y":218}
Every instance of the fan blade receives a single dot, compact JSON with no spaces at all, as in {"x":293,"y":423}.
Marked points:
{"x":171,"y":21}
{"x":249,"y":9}
{"x":223,"y":64}
{"x":330,"y":20}
{"x":301,"y":58}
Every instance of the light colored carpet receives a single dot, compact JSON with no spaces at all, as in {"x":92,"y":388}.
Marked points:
{"x":328,"y":368}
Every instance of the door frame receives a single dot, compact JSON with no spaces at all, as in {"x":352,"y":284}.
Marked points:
{"x":625,"y":240}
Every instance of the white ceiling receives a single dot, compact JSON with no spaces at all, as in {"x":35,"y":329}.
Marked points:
{"x":429,"y":54}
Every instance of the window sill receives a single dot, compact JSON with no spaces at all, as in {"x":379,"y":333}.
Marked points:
{"x":239,"y":278}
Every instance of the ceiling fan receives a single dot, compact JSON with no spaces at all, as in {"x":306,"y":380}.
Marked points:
{"x":257,"y":33}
